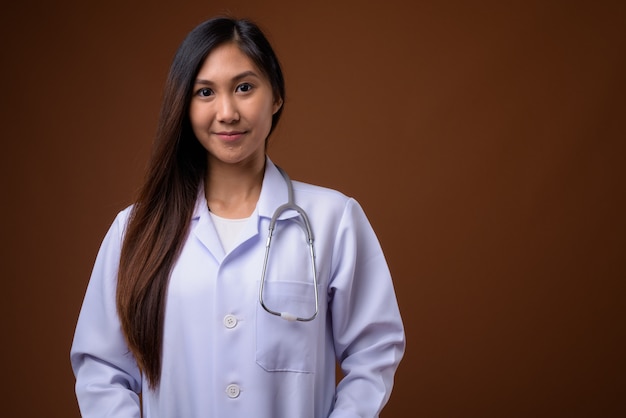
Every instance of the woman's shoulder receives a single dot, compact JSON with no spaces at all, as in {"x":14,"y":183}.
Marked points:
{"x":330,"y":201}
{"x":312,"y":191}
{"x":124,"y":214}
{"x":121,"y":219}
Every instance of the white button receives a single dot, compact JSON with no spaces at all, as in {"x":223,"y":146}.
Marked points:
{"x":230,"y":321}
{"x":233,"y":391}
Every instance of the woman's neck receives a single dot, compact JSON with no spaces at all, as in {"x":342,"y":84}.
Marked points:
{"x":232,"y":191}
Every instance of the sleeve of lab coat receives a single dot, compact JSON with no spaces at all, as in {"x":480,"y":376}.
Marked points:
{"x":107,"y":378}
{"x":367,"y":328}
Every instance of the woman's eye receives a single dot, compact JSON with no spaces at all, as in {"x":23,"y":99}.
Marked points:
{"x":205,"y":92}
{"x":244,"y":88}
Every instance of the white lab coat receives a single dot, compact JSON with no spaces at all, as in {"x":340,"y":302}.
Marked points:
{"x":223,"y":355}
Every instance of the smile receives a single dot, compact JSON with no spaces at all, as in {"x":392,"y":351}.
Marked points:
{"x":230,"y":135}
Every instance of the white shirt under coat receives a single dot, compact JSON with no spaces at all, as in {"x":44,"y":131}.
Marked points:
{"x":223,"y":355}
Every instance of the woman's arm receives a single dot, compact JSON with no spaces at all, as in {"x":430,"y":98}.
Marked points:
{"x":367,"y":328}
{"x":107,"y":378}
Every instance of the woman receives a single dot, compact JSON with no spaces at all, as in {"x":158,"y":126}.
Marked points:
{"x":172,"y":310}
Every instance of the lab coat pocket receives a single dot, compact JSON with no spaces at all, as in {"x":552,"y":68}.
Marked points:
{"x":283,"y":345}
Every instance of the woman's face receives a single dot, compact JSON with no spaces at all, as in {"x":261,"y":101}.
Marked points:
{"x":231,"y":107}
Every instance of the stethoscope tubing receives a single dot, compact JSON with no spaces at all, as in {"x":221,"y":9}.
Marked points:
{"x":290,"y":205}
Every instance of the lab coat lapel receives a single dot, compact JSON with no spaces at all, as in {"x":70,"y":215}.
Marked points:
{"x":274,"y":193}
{"x":204,"y":230}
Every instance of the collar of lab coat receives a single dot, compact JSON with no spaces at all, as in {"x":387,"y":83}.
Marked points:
{"x":274,"y":193}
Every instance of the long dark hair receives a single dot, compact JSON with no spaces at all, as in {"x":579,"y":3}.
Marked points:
{"x":161,"y":215}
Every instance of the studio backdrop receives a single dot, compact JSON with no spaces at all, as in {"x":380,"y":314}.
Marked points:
{"x":485,"y":141}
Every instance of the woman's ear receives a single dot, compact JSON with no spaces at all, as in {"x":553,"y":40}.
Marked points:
{"x":278,"y":103}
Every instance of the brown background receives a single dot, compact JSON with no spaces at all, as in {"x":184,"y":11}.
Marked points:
{"x":486,"y":142}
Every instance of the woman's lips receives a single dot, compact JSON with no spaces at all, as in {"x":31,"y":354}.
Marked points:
{"x":230,"y":135}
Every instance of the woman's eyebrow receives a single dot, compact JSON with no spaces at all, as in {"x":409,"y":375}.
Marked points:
{"x":245,"y":74}
{"x":238,"y":77}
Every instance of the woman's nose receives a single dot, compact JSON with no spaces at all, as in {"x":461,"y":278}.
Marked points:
{"x":227,"y":110}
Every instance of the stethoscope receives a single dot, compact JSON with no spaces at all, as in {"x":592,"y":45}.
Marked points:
{"x":290,"y":205}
